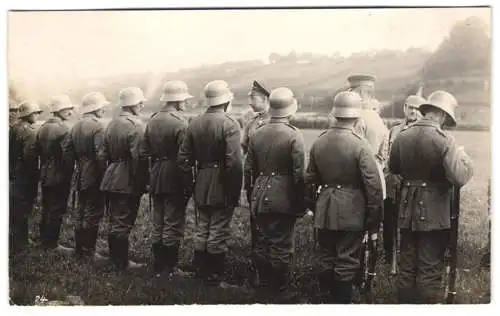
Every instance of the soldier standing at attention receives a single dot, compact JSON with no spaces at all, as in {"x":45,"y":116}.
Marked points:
{"x":213,"y":145}
{"x":24,"y":174}
{"x":163,"y":136}
{"x":82,"y":146}
{"x":410,"y":109}
{"x":276,"y":163}
{"x":343,"y":164}
{"x":430,"y":163}
{"x":125,"y":178}
{"x":55,"y":172}
{"x":259,"y":101}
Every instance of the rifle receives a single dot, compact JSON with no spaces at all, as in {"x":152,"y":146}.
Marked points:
{"x":76,"y":187}
{"x":253,"y":225}
{"x":451,"y":253}
{"x":150,"y":193}
{"x":368,"y":262}
{"x":395,"y":235}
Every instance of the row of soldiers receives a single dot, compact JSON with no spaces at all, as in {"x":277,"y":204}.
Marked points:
{"x":210,"y":159}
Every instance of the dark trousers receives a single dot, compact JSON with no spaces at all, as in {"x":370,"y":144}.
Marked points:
{"x":212,"y":230}
{"x":338,"y":254}
{"x":20,"y":207}
{"x":54,"y":207}
{"x":421,"y":266}
{"x":169,"y":216}
{"x":123,"y":209}
{"x":90,"y":208}
{"x":389,"y":233}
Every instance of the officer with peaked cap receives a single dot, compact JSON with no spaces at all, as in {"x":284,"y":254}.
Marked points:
{"x":55,"y":173}
{"x":259,"y":101}
{"x":275,"y":163}
{"x":24,"y":174}
{"x":350,"y":200}
{"x":430,"y":162}
{"x":410,"y":109}
{"x":81,"y":150}
{"x":163,"y":136}
{"x":125,"y":177}
{"x":213,"y":144}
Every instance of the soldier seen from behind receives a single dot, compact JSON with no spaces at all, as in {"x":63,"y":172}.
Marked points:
{"x":410,"y":109}
{"x":163,"y":136}
{"x":23,"y":176}
{"x":13,"y":113}
{"x":213,"y":146}
{"x":81,"y":150}
{"x":275,"y":162}
{"x":349,"y":203}
{"x":125,"y":178}
{"x":430,"y":164}
{"x":55,"y":172}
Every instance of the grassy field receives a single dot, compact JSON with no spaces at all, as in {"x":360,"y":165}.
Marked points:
{"x":43,"y":273}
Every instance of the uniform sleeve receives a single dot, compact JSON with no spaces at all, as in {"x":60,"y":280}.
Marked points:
{"x":246,"y":138}
{"x":185,"y":158}
{"x":250,"y":167}
{"x":139,"y":165}
{"x":311,"y":179}
{"x":394,"y":158}
{"x":103,"y":153}
{"x":180,"y":138}
{"x":233,"y":162}
{"x":31,"y":149}
{"x":144,"y":149}
{"x":98,"y":146}
{"x":298,"y":162}
{"x":457,"y":164}
{"x":68,"y":150}
{"x":373,"y":187}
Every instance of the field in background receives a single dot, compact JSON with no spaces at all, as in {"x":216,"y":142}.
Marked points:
{"x":43,"y":273}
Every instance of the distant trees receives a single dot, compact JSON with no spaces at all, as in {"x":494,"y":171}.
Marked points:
{"x":466,"y":50}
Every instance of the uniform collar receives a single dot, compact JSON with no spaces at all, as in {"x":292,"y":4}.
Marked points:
{"x":427,"y":122}
{"x":127,"y":114}
{"x":54,"y":119}
{"x":279,"y":120}
{"x":407,"y":123}
{"x":168,"y":109}
{"x":214,"y":109}
{"x":342,"y":126}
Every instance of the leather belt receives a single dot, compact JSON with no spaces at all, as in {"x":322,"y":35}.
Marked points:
{"x":206,"y":165}
{"x":340,"y":186}
{"x":423,"y":183}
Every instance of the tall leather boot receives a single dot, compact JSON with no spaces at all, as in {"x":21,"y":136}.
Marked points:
{"x":158,"y":258}
{"x":53,"y":232}
{"x":325,"y":280}
{"x":281,"y":285}
{"x":124,"y":262}
{"x":342,"y":292}
{"x":171,"y":254}
{"x":80,"y":236}
{"x":90,"y":243}
{"x":113,"y":249}
{"x":200,"y":263}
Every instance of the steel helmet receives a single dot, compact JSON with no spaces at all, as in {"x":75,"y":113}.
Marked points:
{"x":217,"y":92}
{"x":60,"y":102}
{"x":346,"y":104}
{"x":175,"y":91}
{"x":444,"y":101}
{"x":414,"y":101}
{"x":13,"y":106}
{"x":131,"y":96}
{"x":28,"y":108}
{"x":93,"y":101}
{"x":282,"y":103}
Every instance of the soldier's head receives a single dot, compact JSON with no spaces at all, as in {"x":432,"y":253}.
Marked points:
{"x":218,"y":95}
{"x":259,"y":97}
{"x":29,"y":112}
{"x":13,"y":111}
{"x":94,"y":103}
{"x":175,"y":94}
{"x":282,"y":103}
{"x":410,"y":108}
{"x":440,"y":107}
{"x":61,"y":106}
{"x":346,"y":107}
{"x":364,"y":85}
{"x":132,"y":99}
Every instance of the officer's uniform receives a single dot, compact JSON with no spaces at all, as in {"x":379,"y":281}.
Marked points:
{"x":212,"y":142}
{"x":430,"y":163}
{"x":55,"y":173}
{"x":82,"y":147}
{"x":350,"y":201}
{"x":163,"y":136}
{"x":257,"y":119}
{"x":392,"y":181}
{"x":125,"y":177}
{"x":23,"y":177}
{"x":276,"y":163}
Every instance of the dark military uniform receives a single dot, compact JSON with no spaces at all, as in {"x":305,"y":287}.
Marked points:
{"x":55,"y":178}
{"x":82,"y":146}
{"x":23,"y":176}
{"x":350,"y":201}
{"x":123,"y":182}
{"x":162,"y":139}
{"x":256,"y":121}
{"x":213,"y":143}
{"x":430,"y":162}
{"x":276,"y":161}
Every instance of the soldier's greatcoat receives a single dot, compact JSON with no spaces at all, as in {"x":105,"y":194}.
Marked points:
{"x":430,"y":163}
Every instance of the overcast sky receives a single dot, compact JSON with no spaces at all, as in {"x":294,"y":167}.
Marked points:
{"x":48,"y":46}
